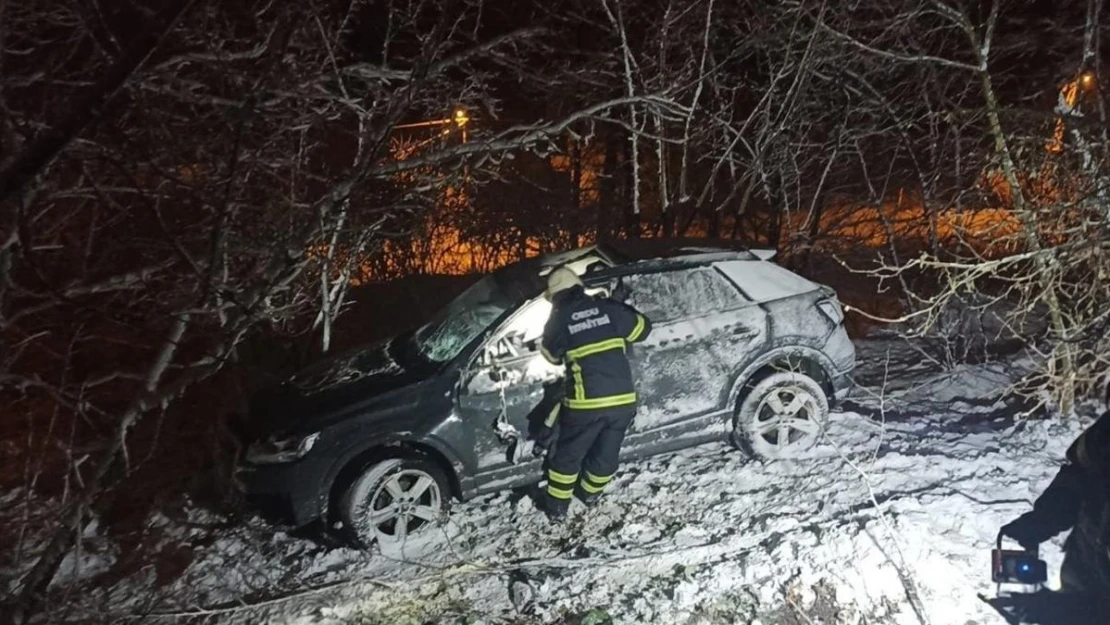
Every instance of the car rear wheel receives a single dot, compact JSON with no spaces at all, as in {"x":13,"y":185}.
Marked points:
{"x":783,"y":416}
{"x":394,"y":500}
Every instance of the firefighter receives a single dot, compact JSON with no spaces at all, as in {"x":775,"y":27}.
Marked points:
{"x":1078,"y":499}
{"x":590,"y":336}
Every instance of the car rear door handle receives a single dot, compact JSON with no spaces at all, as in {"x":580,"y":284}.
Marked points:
{"x":743,"y":332}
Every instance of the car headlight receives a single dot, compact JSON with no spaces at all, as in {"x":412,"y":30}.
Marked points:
{"x":275,"y":451}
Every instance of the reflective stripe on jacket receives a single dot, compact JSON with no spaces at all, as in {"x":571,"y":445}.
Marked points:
{"x":591,"y":336}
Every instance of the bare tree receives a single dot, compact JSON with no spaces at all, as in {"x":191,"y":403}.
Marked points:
{"x":169,"y":192}
{"x":1039,"y":255}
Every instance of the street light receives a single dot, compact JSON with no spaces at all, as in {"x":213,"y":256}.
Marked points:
{"x":460,"y":118}
{"x":1070,"y":95}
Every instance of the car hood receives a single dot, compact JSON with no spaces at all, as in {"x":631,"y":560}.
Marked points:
{"x":363,"y":380}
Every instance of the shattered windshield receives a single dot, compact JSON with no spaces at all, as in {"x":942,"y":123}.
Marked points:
{"x":475,"y":310}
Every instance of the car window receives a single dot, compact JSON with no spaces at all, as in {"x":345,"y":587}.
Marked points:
{"x":462,"y":320}
{"x":681,"y":294}
{"x":528,"y":322}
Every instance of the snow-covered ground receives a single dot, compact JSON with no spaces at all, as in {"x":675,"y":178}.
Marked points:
{"x":892,"y":522}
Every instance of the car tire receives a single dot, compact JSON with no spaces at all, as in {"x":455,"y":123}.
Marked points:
{"x":393,"y":500}
{"x":782,"y":416}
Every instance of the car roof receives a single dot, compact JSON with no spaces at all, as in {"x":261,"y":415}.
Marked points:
{"x":623,"y":251}
{"x":650,"y":254}
{"x":748,"y":269}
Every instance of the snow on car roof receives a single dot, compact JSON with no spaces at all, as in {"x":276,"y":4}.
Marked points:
{"x":763,"y":281}
{"x":633,"y":250}
{"x":649,"y":253}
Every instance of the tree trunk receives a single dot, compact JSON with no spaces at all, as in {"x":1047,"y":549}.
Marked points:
{"x":774,"y":231}
{"x":629,"y":173}
{"x":776,"y":208}
{"x":741,"y":210}
{"x":607,"y":192}
{"x":1063,"y":364}
{"x":814,"y":230}
{"x":669,"y":220}
{"x":664,"y":186}
{"x":575,"y":190}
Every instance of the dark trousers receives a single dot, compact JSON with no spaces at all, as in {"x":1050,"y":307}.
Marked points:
{"x":1084,"y":586}
{"x":586,"y":452}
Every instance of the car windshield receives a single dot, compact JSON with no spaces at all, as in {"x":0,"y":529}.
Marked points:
{"x":474,"y":311}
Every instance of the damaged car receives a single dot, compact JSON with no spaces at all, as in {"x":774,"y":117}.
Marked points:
{"x":379,"y":440}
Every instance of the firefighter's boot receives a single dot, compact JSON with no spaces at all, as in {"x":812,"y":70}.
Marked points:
{"x":589,"y":499}
{"x":555,"y":509}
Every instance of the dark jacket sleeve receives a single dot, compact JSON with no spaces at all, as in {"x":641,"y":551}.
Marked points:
{"x":554,"y":344}
{"x":1058,"y":506}
{"x":633,"y":325}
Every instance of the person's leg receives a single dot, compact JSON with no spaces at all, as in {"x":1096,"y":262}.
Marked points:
{"x":1075,"y":573}
{"x":1078,"y":585}
{"x":603,"y":457}
{"x":577,"y":431}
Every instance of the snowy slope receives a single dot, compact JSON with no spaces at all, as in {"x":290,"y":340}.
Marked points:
{"x":892,"y":522}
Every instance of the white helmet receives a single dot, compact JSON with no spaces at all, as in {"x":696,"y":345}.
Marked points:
{"x":561,"y":280}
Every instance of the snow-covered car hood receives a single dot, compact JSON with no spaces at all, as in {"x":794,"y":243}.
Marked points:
{"x":373,"y":361}
{"x":361,"y":380}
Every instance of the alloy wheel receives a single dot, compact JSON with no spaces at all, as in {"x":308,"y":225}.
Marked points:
{"x":403,"y":503}
{"x":785,"y":420}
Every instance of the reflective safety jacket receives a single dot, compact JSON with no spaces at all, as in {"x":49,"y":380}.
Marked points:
{"x":591,"y":336}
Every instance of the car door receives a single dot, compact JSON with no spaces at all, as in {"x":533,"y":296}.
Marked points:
{"x":703,"y":328}
{"x":509,"y":376}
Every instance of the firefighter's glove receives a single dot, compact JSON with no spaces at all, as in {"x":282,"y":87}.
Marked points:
{"x":544,"y":437}
{"x":621,"y":292}
{"x":545,"y":433}
{"x":1025,"y":530}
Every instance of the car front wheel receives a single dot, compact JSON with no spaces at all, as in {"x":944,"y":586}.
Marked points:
{"x":394,"y":500}
{"x":783,"y":416}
